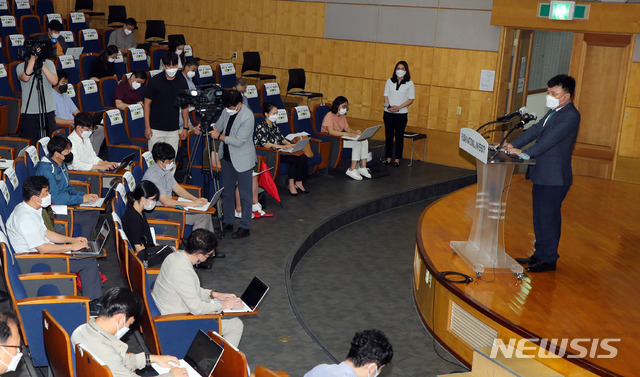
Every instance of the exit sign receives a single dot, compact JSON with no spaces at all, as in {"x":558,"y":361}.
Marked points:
{"x":563,"y":10}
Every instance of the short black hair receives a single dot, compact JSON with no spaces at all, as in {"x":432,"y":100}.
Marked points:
{"x":337,"y":102}
{"x":567,"y":83}
{"x":201,"y":241}
{"x":62,"y":75}
{"x":139,"y":74}
{"x":54,"y":25}
{"x":33,"y":186}
{"x":6,"y":318}
{"x":169,"y":58}
{"x":268,"y":106}
{"x":58,"y":144}
{"x":120,"y":300}
{"x":407,"y":76}
{"x":370,"y":346}
{"x":162,"y":152}
{"x":191,"y":61}
{"x":131,"y":22}
{"x":231,"y":98}
{"x":144,"y":189}
{"x":83,"y":119}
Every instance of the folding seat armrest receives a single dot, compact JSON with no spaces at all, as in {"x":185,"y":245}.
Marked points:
{"x":64,"y":282}
{"x":56,"y":262}
{"x":193,"y":190}
{"x":94,"y":179}
{"x":185,"y":317}
{"x":82,"y":186}
{"x":62,"y":224}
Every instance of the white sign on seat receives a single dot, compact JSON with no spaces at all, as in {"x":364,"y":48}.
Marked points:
{"x":227,"y":69}
{"x":272,"y":88}
{"x":303,"y":112}
{"x":90,"y":86}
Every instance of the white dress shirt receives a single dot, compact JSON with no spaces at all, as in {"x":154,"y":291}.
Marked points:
{"x":84,"y":157}
{"x":397,"y":97}
{"x":26,"y":229}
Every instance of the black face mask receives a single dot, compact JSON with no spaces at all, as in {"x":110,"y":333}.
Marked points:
{"x":64,"y":88}
{"x":68,"y":158}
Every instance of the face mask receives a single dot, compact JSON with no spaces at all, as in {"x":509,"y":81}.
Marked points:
{"x":13,"y":364}
{"x":191,"y":74}
{"x":111,"y":60}
{"x":64,"y":88}
{"x":135,"y":85}
{"x":376,"y":374}
{"x":178,"y":52}
{"x":68,"y":158}
{"x":46,"y":201}
{"x":552,"y":102}
{"x":171,"y":71}
{"x":127,"y":32}
{"x":231,"y":112}
{"x":86,"y":134}
{"x":120,"y":332}
{"x":273,"y":118}
{"x":169,"y":166}
{"x":400,"y":72}
{"x":54,"y":36}
{"x":150,"y":206}
{"x":342,"y":111}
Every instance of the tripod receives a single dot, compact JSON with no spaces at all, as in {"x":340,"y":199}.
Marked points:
{"x":37,"y":82}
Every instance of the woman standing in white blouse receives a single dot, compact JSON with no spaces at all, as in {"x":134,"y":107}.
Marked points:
{"x":399,"y":93}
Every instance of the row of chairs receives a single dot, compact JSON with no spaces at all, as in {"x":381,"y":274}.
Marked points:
{"x":22,"y":8}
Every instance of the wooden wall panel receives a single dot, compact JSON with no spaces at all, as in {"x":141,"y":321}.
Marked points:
{"x":633,"y":91}
{"x":461,"y":68}
{"x":420,"y":60}
{"x":630,"y":136}
{"x":299,"y":18}
{"x":476,"y":106}
{"x":627,"y":169}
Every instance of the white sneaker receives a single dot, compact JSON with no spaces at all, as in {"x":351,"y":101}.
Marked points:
{"x":364,"y":172}
{"x":354,"y":174}
{"x":239,"y":215}
{"x":256,"y":207}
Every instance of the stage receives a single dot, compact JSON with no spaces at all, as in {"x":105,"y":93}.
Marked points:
{"x":592,"y":295}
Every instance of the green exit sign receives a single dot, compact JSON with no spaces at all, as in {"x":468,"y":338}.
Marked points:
{"x":563,"y":10}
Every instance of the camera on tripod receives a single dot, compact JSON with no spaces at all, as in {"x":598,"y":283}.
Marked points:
{"x":206,"y":101}
{"x":42,"y":49}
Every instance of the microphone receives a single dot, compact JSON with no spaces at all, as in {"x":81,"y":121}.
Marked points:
{"x":522,"y":111}
{"x":526,"y":118}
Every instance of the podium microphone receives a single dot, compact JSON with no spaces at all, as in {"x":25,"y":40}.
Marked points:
{"x":526,"y":118}
{"x":522,"y":111}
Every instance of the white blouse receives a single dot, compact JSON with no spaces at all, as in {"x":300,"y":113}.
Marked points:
{"x":399,"y":96}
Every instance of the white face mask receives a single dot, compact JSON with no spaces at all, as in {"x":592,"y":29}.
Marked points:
{"x":400,"y":72}
{"x":231,"y":112}
{"x":178,"y":52}
{"x":150,"y":206}
{"x":55,"y":35}
{"x":342,"y":111}
{"x":169,"y":166}
{"x":13,"y":364}
{"x":171,"y":71}
{"x":46,"y":201}
{"x":120,"y":332}
{"x":127,"y":32}
{"x":86,"y":134}
{"x":552,"y":102}
{"x":273,"y":118}
{"x":111,"y":60}
{"x":376,"y":374}
{"x":135,"y":85}
{"x":191,"y":74}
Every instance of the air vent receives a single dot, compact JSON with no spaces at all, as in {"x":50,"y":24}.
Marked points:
{"x":470,"y":329}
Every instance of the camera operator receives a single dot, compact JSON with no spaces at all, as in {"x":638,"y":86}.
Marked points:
{"x":189,"y":72}
{"x":35,"y":64}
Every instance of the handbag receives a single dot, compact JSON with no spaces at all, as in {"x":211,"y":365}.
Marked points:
{"x":153,"y":256}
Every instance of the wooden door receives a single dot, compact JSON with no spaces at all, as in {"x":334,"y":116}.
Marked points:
{"x":600,"y":64}
{"x":520,"y":73}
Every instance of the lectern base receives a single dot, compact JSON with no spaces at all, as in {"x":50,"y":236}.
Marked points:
{"x":481,"y":261}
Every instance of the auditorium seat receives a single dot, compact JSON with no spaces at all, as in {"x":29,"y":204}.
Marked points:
{"x":107,"y":88}
{"x":270,"y":92}
{"x":8,"y":26}
{"x":117,"y":15}
{"x":21,"y":9}
{"x":300,"y":121}
{"x":226,"y":75}
{"x":57,"y":346}
{"x":44,"y":7}
{"x":232,"y":363}
{"x":254,"y":99}
{"x":156,"y":53}
{"x":68,"y":64}
{"x":205,"y":75}
{"x":76,"y":22}
{"x":85,"y":64}
{"x":134,"y":123}
{"x":298,"y":80}
{"x":12,"y":43}
{"x":155,"y":32}
{"x":29,"y":25}
{"x":118,"y":143}
{"x":88,"y":365}
{"x":137,"y":60}
{"x":89,"y":41}
{"x":89,"y":96}
{"x":262,"y":371}
{"x":337,"y":150}
{"x":251,"y":63}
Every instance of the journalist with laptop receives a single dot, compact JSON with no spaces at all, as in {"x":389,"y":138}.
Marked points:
{"x":84,"y":152}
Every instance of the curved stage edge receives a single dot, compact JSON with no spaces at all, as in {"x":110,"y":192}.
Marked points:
{"x":359,"y":211}
{"x":592,"y":294}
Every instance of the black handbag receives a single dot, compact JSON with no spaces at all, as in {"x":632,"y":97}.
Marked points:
{"x":153,"y":256}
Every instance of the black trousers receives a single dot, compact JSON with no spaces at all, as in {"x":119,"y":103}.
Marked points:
{"x":298,"y":167}
{"x":30,"y":126}
{"x":394,"y":125}
{"x":547,"y":220}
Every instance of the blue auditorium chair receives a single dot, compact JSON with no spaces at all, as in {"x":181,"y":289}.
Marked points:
{"x":85,"y":65}
{"x":68,"y":64}
{"x":337,"y":150}
{"x":8,"y":26}
{"x":12,"y":43}
{"x":134,"y":122}
{"x":118,"y":143}
{"x":57,"y":344}
{"x":107,"y":87}
{"x":254,"y":99}
{"x":156,"y":53}
{"x":270,"y":92}
{"x":89,"y":41}
{"x":89,"y":96}
{"x":76,"y":22}
{"x":226,"y":75}
{"x":205,"y":75}
{"x":29,"y":25}
{"x":301,"y":122}
{"x":44,"y":7}
{"x":19,"y":10}
{"x":137,"y":60}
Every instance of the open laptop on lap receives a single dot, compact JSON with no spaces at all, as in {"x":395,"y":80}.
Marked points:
{"x":201,"y":358}
{"x":252,"y":296}
{"x":95,"y":246}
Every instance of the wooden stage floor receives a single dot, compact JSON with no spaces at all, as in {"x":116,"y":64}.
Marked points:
{"x":595,"y":292}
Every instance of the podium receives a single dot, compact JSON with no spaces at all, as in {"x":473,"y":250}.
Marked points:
{"x":485,"y":247}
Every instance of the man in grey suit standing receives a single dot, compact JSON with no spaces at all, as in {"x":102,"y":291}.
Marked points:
{"x":238,"y":159}
{"x":555,"y":135}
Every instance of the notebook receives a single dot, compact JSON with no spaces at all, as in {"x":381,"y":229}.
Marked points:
{"x":365,"y":134}
{"x":201,"y":358}
{"x":252,"y":296}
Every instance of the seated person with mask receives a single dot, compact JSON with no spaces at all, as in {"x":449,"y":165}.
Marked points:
{"x":10,"y":340}
{"x":84,"y":156}
{"x":53,"y":32}
{"x":54,"y":168}
{"x":27,"y":233}
{"x":177,"y":288}
{"x":123,"y":38}
{"x":128,"y":91}
{"x":101,"y":336}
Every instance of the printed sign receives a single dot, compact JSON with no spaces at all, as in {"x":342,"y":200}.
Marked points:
{"x":3,"y":71}
{"x":188,"y":51}
{"x":71,"y":91}
{"x":138,"y":54}
{"x":16,"y":40}
{"x":119,"y":58}
{"x":54,"y":16}
{"x":303,"y":112}
{"x":282,"y":116}
{"x":154,"y":72}
{"x":5,"y":191}
{"x":90,"y":86}
{"x":23,"y":4}
{"x":251,"y":92}
{"x":205,"y":71}
{"x":136,"y":111}
{"x":131,"y":182}
{"x":474,"y":144}
{"x":8,"y":21}
{"x":67,"y":61}
{"x":33,"y":154}
{"x":116,"y":219}
{"x":90,"y":34}
{"x":272,"y":88}
{"x":114,"y":117}
{"x":123,"y":194}
{"x":67,"y":35}
{"x":77,"y":17}
{"x":4,"y":5}
{"x":227,"y":69}
{"x":43,"y":143}
{"x":13,"y":178}
{"x":148,"y":157}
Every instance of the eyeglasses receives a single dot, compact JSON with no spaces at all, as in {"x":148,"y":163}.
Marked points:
{"x":7,"y":345}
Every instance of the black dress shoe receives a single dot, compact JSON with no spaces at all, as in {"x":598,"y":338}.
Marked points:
{"x":396,"y":164}
{"x":530,"y":260}
{"x":385,"y":162}
{"x":541,"y":267}
{"x":301,"y":190}
{"x":292,"y":194}
{"x":204,"y":266}
{"x":241,"y":233}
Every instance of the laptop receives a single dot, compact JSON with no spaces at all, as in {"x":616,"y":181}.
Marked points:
{"x":75,"y":52}
{"x":100,"y":201}
{"x":205,"y":206}
{"x":365,"y":134}
{"x":298,"y":147}
{"x":201,"y":358}
{"x":252,"y":296}
{"x":95,"y":246}
{"x":124,"y":163}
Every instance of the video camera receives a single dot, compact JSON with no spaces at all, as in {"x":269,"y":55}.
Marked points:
{"x":31,"y":47}
{"x":206,"y":100}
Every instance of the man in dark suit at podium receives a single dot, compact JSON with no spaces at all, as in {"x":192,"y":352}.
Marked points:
{"x":554,"y":136}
